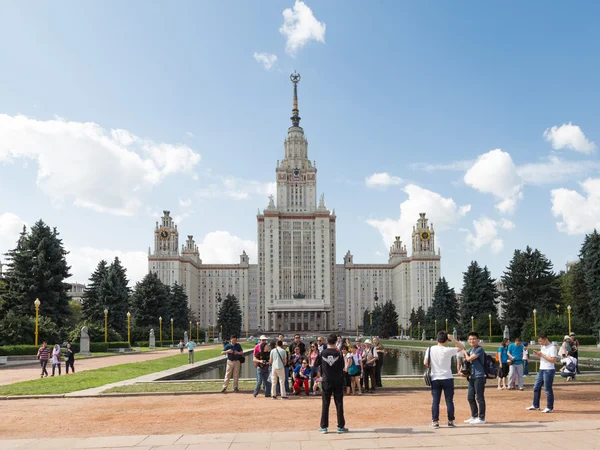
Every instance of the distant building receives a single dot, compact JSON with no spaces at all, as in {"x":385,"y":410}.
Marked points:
{"x":76,"y":292}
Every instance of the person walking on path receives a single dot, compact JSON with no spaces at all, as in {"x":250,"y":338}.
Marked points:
{"x":476,"y":392}
{"x":190,"y":346}
{"x":439,"y":359}
{"x":332,"y":373}
{"x":278,"y":362}
{"x":43,"y":355}
{"x":379,"y":364}
{"x":69,"y":359}
{"x":234,"y":353}
{"x":56,"y":355}
{"x":515,"y":354}
{"x":545,"y":375}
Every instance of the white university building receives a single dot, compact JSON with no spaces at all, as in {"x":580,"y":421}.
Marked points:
{"x":296,"y":284}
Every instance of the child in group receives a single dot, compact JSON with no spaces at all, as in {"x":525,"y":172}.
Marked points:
{"x":301,"y":376}
{"x":317,"y":386}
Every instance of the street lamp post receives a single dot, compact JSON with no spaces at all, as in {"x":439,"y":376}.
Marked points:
{"x":435,"y":322}
{"x":446,"y":325}
{"x":128,"y":327}
{"x":105,"y":325}
{"x":37,"y":318}
{"x":490,"y":320}
{"x":569,"y":314}
{"x":160,"y":328}
{"x":197,"y":331}
{"x":418,"y":329}
{"x":190,"y":335}
{"x":172,"y":341}
{"x":535,"y":323}
{"x":472,"y":323}
{"x":371,"y":323}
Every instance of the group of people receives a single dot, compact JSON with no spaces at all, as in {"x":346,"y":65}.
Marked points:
{"x":277,"y":364}
{"x":475,"y":365}
{"x":54,"y":355}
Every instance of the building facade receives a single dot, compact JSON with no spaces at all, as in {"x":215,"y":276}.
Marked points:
{"x":296,"y":284}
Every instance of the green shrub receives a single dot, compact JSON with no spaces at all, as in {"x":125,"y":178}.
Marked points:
{"x":120,"y":344}
{"x":15,"y":329}
{"x":98,"y":347}
{"x":95,"y":331}
{"x":19,"y":350}
{"x":583,"y":340}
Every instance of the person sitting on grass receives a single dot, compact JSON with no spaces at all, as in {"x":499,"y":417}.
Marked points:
{"x":301,"y":377}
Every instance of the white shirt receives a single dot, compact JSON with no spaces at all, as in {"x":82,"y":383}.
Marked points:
{"x":440,"y":360}
{"x":549,"y":351}
{"x":278,"y":360}
{"x":568,"y":360}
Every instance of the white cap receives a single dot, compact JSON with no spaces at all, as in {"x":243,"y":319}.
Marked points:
{"x":368,"y":341}
{"x":262,"y":337}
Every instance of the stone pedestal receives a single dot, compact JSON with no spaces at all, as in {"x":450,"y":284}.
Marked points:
{"x":84,"y":342}
{"x":185,"y":338}
{"x":152,"y":340}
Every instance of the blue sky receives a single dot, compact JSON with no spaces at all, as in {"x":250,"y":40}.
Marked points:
{"x":481,"y":115}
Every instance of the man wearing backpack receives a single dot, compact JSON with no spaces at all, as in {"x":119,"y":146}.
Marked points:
{"x":476,"y":393}
{"x":570,"y":367}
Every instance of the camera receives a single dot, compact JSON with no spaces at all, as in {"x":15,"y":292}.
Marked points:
{"x":465,"y":370}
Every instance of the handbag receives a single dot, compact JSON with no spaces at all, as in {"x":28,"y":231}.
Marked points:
{"x":242,"y":360}
{"x":427,"y":374}
{"x":353,"y":369}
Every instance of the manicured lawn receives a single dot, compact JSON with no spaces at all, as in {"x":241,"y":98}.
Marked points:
{"x":142,"y":350}
{"x":209,"y":386}
{"x":99,"y":377}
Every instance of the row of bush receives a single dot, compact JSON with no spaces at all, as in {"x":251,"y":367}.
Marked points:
{"x":23,"y":350}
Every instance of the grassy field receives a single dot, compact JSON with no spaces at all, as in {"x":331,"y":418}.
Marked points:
{"x":208,"y":386}
{"x":99,"y":377}
{"x":103,"y":354}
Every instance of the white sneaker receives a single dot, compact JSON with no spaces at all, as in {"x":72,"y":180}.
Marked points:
{"x":470,"y":419}
{"x":547,"y":410}
{"x":532,"y":408}
{"x":477,"y":421}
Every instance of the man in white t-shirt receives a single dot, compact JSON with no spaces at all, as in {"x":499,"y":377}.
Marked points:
{"x":439,"y":358}
{"x":545,"y":375}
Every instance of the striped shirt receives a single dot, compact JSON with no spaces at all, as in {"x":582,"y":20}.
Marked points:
{"x":44,"y":353}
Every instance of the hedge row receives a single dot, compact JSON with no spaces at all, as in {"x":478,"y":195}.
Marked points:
{"x":24,"y":350}
{"x":583,"y":339}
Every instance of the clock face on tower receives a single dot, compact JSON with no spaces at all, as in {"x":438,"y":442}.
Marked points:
{"x":164,"y":234}
{"x":296,"y":172}
{"x":424,"y":235}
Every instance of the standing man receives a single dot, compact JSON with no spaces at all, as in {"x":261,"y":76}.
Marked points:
{"x":379,"y":365}
{"x":439,"y":359}
{"x":298,"y":343}
{"x":369,"y":363}
{"x":43,"y":355}
{"x":261,"y":339}
{"x":190,"y":346}
{"x":332,"y":372}
{"x":515,"y":354}
{"x":320,"y":344}
{"x":545,"y":375}
{"x":278,"y":362}
{"x":234,"y":353}
{"x":476,"y":393}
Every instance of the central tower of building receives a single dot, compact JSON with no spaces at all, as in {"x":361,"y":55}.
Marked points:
{"x":296,"y":243}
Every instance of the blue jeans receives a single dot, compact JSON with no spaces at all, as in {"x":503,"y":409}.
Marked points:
{"x":476,"y":397}
{"x":262,"y":378}
{"x":544,"y":378}
{"x":525,"y":368}
{"x":437,"y":386}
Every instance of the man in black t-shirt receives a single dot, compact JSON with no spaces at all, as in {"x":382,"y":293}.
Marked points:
{"x":331,"y":364}
{"x":298,"y":343}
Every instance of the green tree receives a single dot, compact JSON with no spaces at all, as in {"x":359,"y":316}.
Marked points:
{"x":479,"y":295}
{"x":445,"y":305}
{"x":229,"y":317}
{"x":114,"y":296}
{"x":590,"y":260}
{"x":92,"y":307}
{"x":388,"y":325}
{"x":574,"y":293}
{"x":530,"y":284}
{"x":150,"y":301}
{"x":178,"y":307}
{"x":37,"y":268}
{"x":367,"y":322}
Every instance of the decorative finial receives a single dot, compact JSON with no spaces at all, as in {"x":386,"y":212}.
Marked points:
{"x":295,"y":78}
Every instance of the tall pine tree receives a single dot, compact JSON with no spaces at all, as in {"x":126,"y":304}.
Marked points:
{"x":445,"y":305}
{"x":37,"y":268}
{"x":114,"y":295}
{"x":149,"y":301}
{"x":92,"y":308}
{"x":178,"y":307}
{"x":230,"y":317}
{"x":530,"y":284}
{"x":388,"y":324}
{"x":479,"y":295}
{"x":590,"y":260}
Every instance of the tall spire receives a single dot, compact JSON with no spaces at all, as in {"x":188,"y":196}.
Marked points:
{"x":295,"y":77}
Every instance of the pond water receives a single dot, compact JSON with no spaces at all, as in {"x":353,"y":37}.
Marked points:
{"x":399,"y":361}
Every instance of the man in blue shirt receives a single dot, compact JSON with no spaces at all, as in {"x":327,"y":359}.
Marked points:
{"x":515,"y":356}
{"x":234,"y":353}
{"x":475,"y":395}
{"x":190,"y":346}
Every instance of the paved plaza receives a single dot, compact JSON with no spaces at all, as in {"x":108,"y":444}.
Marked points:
{"x":531,"y":435}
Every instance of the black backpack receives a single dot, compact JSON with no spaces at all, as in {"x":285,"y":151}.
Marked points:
{"x":491,"y":369}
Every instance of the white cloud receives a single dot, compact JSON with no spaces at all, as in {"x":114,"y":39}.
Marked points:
{"x":459,"y":166}
{"x":237,"y":188}
{"x":84,"y":260}
{"x":106,"y":171}
{"x":555,"y":170}
{"x":442,"y":212}
{"x":495,"y":173}
{"x":221,"y":247}
{"x":382,"y":180}
{"x":185,"y":203}
{"x":569,"y":136}
{"x":300,"y":26}
{"x":486,"y":233}
{"x":268,"y":60}
{"x":11,"y":226}
{"x":580,"y":213}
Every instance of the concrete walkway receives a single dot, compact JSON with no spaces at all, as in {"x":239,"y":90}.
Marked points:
{"x":531,"y":435}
